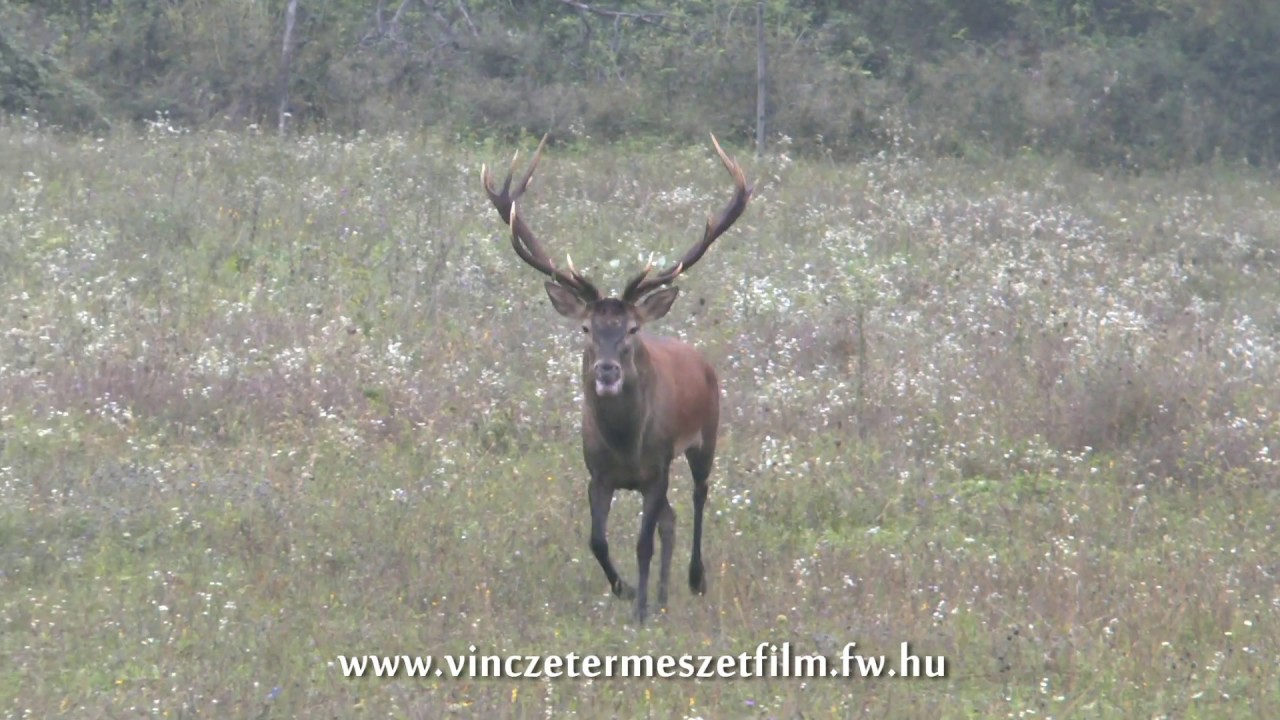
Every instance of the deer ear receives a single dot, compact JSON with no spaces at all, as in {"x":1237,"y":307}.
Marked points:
{"x":567,"y":302}
{"x":656,"y":304}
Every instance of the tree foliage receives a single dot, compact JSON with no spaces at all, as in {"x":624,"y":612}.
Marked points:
{"x":1134,"y":82}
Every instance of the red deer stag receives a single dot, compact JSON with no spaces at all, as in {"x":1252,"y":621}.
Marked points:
{"x":645,"y":398}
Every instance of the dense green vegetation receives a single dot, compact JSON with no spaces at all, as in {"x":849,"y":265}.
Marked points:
{"x":1132,"y":83}
{"x":266,"y":402}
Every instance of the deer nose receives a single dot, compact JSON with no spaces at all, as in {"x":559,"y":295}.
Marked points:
{"x":608,"y":371}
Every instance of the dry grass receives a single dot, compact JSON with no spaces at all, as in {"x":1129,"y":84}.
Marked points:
{"x":265,"y":403}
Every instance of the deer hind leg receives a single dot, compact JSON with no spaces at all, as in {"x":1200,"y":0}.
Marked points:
{"x":601,"y":498}
{"x":667,"y":536}
{"x":700,"y":462}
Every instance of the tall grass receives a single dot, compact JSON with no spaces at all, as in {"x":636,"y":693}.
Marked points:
{"x":264,"y":403}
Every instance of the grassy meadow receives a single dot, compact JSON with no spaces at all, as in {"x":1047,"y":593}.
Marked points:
{"x":264,"y":403}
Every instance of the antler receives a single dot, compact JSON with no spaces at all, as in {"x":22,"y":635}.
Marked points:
{"x":522,"y":239}
{"x":642,"y":283}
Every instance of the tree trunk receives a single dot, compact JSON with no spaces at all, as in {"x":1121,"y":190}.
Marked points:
{"x":761,"y":76}
{"x":286,"y":60}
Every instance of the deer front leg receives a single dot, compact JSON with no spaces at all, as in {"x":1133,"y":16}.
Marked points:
{"x":601,"y":498}
{"x":655,"y":501}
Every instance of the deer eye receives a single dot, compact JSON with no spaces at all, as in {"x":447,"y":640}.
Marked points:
{"x":586,"y":329}
{"x":633,"y":330}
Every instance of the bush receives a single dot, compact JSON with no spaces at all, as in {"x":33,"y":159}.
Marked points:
{"x":1134,"y":84}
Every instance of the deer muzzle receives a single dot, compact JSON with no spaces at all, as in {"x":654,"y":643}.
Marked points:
{"x":608,"y":377}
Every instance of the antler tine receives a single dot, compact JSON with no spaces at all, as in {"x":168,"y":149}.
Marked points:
{"x":630,"y":290}
{"x":523,"y":241}
{"x":533,"y":165}
{"x":505,"y":198}
{"x":716,"y":226}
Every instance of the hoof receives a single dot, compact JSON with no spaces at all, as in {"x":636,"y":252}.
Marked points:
{"x":623,"y":590}
{"x":697,"y":581}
